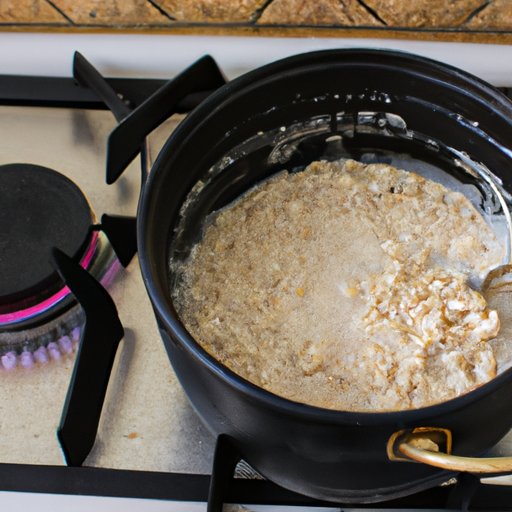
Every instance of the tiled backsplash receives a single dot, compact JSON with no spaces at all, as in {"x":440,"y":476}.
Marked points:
{"x":458,"y":20}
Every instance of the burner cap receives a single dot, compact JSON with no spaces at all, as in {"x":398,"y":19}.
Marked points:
{"x":39,"y":209}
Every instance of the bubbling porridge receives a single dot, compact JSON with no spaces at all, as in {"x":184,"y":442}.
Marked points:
{"x":347,"y":286}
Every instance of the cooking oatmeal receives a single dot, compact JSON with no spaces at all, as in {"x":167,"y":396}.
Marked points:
{"x":346,"y":286}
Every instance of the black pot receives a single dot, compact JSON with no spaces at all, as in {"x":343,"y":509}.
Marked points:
{"x":378,"y":105}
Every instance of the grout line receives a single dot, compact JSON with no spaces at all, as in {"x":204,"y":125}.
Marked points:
{"x":256,"y":15}
{"x":231,"y":28}
{"x":62,"y":13}
{"x":161,"y":10}
{"x":371,"y":11}
{"x":478,"y":10}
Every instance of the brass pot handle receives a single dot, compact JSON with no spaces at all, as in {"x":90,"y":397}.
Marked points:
{"x":432,"y":446}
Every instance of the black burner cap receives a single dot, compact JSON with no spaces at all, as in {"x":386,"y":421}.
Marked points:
{"x":39,"y":209}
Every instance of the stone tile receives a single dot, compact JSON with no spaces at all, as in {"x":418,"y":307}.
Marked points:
{"x":112,"y":12}
{"x":320,"y":12}
{"x":29,"y":11}
{"x":212,"y":11}
{"x":424,"y":13}
{"x":495,"y":16}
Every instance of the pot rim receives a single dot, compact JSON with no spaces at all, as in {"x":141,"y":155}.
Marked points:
{"x":170,"y":319}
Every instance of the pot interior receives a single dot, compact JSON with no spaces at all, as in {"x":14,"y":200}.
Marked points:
{"x":371,"y":106}
{"x":367,"y":136}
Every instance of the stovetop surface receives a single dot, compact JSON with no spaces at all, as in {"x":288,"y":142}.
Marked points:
{"x":147,"y":423}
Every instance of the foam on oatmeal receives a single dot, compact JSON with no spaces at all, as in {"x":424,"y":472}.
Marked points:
{"x":345,"y":286}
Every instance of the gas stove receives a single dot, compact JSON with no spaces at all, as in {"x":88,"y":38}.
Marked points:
{"x":145,"y":442}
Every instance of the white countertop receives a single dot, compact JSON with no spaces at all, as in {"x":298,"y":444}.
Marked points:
{"x":162,"y":56}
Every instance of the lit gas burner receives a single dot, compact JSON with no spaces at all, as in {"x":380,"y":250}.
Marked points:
{"x":42,"y":209}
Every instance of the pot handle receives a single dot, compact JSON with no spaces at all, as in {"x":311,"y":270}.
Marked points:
{"x":433,"y":446}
